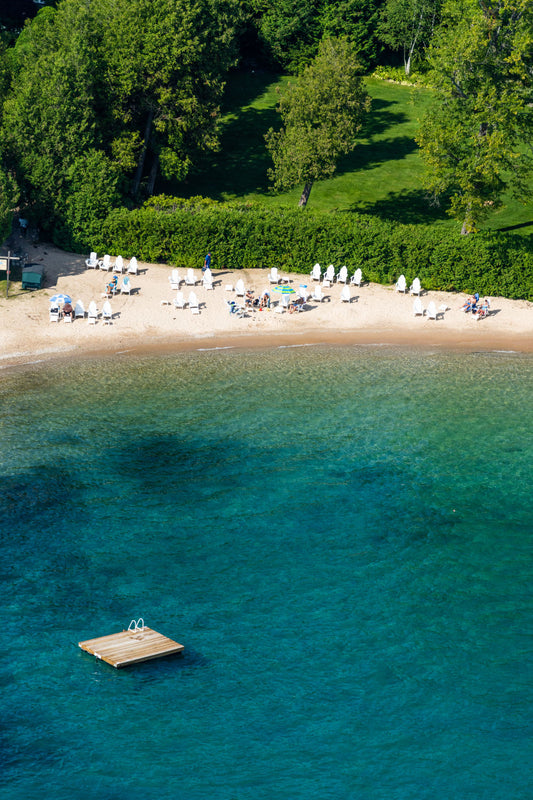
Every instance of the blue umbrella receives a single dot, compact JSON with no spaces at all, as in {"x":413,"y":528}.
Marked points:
{"x":61,"y":298}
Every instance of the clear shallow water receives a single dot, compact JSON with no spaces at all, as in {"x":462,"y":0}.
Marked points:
{"x":340,"y":538}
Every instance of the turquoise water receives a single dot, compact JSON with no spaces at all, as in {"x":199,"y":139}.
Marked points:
{"x":340,"y":537}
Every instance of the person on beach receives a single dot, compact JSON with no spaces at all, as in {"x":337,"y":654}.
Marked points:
{"x":207,"y":262}
{"x":111,"y":287}
{"x":467,"y":305}
{"x":68,"y":311}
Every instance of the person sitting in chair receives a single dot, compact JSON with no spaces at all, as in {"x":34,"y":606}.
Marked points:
{"x":111,"y":287}
{"x":68,"y":311}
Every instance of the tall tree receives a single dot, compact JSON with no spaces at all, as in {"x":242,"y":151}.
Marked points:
{"x":408,"y":25}
{"x":357,"y":20}
{"x":476,"y":138}
{"x":321,"y":114}
{"x":121,"y":88}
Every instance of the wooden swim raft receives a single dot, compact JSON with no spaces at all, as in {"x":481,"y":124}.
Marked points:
{"x":138,"y":643}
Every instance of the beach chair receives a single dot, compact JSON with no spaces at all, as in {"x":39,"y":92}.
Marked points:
{"x":55,"y":313}
{"x":174,"y":279}
{"x":400,"y":284}
{"x":415,"y":287}
{"x":303,"y":293}
{"x":418,"y":311}
{"x":107,"y":314}
{"x":105,"y":263}
{"x":316,"y":272}
{"x":119,"y":265}
{"x":132,"y":266}
{"x":345,"y":295}
{"x":317,"y":295}
{"x":190,"y":279}
{"x":179,"y":300}
{"x":92,"y":261}
{"x":239,"y":288}
{"x":234,"y":309}
{"x":92,"y":313}
{"x":273,"y":276}
{"x":342,"y":275}
{"x":79,"y":309}
{"x":207,"y":280}
{"x":125,"y":286}
{"x":357,"y":277}
{"x":329,"y":275}
{"x":193,"y":303}
{"x":431,"y":311}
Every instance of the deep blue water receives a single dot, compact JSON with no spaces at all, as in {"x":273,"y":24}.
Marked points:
{"x":340,"y":537}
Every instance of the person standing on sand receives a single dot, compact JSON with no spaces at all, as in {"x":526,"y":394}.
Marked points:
{"x":207,"y":262}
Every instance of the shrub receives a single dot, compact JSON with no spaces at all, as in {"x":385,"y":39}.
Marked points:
{"x":244,"y":235}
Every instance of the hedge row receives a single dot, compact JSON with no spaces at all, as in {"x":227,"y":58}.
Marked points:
{"x":181,"y":232}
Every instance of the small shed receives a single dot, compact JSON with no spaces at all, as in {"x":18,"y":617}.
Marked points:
{"x":32,"y":276}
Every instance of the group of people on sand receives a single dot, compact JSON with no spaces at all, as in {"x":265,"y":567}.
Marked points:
{"x":472,"y":304}
{"x":260,"y":302}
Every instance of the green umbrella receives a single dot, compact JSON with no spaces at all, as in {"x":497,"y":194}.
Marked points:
{"x":284,"y":289}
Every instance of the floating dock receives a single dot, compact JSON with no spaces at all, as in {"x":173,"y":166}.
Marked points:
{"x":131,"y":646}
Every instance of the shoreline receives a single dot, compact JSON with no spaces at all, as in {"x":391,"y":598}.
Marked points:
{"x":146,"y":322}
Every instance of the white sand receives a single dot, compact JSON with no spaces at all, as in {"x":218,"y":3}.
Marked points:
{"x":376,"y":314}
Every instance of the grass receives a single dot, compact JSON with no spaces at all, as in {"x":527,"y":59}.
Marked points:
{"x":382,"y":176}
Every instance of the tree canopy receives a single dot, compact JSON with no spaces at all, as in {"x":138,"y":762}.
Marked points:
{"x":321,"y":114}
{"x":476,"y":138}
{"x":113,"y":91}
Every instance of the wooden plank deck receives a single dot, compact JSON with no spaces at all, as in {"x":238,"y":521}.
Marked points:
{"x":131,"y":647}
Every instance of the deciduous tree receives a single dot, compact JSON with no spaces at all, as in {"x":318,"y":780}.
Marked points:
{"x":321,"y":114}
{"x":476,"y":138}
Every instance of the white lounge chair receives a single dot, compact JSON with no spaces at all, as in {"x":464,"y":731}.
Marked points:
{"x":431,"y":311}
{"x":132,"y":266}
{"x":303,"y":293}
{"x":342,"y":275}
{"x":193,"y":303}
{"x":274,"y":276}
{"x":317,"y":295}
{"x":345,"y":295}
{"x":239,"y":288}
{"x":329,"y":274}
{"x":415,"y":287}
{"x":125,"y":286}
{"x":107,"y":314}
{"x":179,"y":300}
{"x":92,"y":261}
{"x":400,"y":284}
{"x":207,"y":279}
{"x":119,"y":264}
{"x":175,"y":279}
{"x":79,"y":309}
{"x":92,"y":313}
{"x":316,"y":272}
{"x":418,"y":311}
{"x":357,"y":277}
{"x":190,"y":278}
{"x":105,"y":262}
{"x":55,"y":313}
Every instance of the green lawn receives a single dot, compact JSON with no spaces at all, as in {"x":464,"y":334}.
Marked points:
{"x":381,"y":176}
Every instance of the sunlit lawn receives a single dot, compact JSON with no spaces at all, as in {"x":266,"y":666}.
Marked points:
{"x":382,"y":176}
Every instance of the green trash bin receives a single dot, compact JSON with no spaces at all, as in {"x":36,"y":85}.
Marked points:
{"x":32,"y":276}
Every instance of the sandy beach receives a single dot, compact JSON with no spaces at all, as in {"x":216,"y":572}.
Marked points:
{"x":147,"y":321}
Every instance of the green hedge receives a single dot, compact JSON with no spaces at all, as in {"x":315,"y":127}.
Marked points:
{"x":181,"y":232}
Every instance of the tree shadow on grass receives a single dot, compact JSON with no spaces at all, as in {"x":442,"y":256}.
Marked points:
{"x":240,"y":166}
{"x":409,"y":207}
